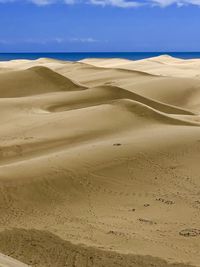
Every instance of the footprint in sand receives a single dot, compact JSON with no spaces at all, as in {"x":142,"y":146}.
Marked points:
{"x":133,"y":209}
{"x":146,"y":221}
{"x":190,"y":232}
{"x":168,"y":202}
{"x":117,"y":144}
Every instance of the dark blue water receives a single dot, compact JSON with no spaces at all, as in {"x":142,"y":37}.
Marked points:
{"x":79,"y":56}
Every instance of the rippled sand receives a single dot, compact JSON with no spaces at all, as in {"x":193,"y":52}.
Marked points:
{"x":100,"y":162}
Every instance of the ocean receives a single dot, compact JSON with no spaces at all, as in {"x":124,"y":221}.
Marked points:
{"x":79,"y":55}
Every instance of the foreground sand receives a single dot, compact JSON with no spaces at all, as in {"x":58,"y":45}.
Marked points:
{"x":99,"y":162}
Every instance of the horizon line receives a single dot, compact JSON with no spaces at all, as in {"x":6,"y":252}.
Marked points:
{"x":100,"y":52}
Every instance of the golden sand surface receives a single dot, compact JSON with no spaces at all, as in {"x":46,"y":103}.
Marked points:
{"x":100,"y":162}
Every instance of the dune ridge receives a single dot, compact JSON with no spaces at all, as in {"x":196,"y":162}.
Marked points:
{"x":99,"y":162}
{"x":35,"y":80}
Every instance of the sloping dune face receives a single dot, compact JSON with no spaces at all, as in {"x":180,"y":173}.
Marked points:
{"x":34,"y":81}
{"x":99,"y":163}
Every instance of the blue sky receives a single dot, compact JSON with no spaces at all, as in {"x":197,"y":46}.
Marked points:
{"x":99,"y":25}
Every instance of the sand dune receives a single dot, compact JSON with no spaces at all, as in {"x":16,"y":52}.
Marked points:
{"x":34,"y":81}
{"x":99,"y":163}
{"x":162,"y":65}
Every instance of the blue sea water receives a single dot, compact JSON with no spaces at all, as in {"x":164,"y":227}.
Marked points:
{"x":79,"y":55}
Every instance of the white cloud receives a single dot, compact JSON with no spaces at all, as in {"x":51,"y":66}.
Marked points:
{"x":70,"y":2}
{"x":116,"y":3}
{"x":36,"y":2}
{"x":45,"y":41}
{"x":165,"y":3}
{"x":129,"y":3}
{"x":84,"y":40}
{"x":42,"y":2}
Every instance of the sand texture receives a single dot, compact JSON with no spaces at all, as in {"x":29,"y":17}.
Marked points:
{"x":100,"y":162}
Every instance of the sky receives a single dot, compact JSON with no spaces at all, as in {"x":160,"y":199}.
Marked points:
{"x":99,"y":25}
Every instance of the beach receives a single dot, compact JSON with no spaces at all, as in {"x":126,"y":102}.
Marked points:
{"x":99,"y":162}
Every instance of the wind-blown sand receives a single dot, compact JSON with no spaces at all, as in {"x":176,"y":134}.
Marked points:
{"x":99,"y":162}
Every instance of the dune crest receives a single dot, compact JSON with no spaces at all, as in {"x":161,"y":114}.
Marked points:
{"x":99,"y":162}
{"x":162,"y":65}
{"x":35,"y":80}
